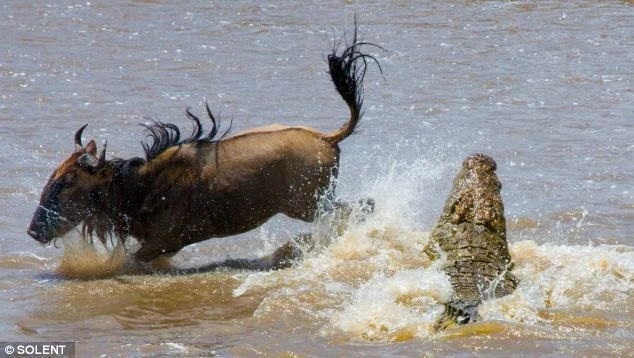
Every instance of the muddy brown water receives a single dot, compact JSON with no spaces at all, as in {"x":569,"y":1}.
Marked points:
{"x":544,"y":88}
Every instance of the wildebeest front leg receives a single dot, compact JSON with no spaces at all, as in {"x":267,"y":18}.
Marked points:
{"x":148,"y":253}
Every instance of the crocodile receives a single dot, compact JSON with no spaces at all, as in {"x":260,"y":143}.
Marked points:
{"x":471,"y":235}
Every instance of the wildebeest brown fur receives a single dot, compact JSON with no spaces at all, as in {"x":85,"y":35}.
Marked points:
{"x":190,"y":190}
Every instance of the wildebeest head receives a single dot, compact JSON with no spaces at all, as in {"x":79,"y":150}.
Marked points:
{"x":68,"y":196}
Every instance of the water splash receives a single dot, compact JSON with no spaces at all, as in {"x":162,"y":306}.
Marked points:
{"x":84,"y":260}
{"x":374,"y":283}
{"x":566,"y":277}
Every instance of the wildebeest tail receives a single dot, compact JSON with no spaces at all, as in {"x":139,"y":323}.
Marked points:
{"x":347,"y":71}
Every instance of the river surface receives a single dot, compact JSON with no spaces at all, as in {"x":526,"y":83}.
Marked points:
{"x":545,"y":88}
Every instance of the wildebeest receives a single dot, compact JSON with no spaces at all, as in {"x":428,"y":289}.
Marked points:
{"x":189,"y":190}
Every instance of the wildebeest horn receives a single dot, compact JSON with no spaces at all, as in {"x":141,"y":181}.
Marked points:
{"x":78,"y":146}
{"x":102,"y":156}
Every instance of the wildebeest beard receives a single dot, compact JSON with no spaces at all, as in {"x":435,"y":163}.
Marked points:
{"x":112,"y":206}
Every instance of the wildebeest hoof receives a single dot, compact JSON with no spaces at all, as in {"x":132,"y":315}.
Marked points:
{"x":286,"y":255}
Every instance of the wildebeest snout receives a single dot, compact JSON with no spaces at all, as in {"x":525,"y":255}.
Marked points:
{"x":38,"y":228}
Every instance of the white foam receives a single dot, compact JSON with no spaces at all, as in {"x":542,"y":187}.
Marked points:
{"x":568,"y":277}
{"x":375,"y":283}
{"x":395,"y":307}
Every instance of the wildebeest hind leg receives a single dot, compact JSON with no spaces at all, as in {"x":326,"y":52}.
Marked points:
{"x":365,"y":207}
{"x":339,"y":213}
{"x":305,"y":210}
{"x":281,"y":258}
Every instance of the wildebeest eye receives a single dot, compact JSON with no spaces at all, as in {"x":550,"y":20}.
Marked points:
{"x":70,"y":177}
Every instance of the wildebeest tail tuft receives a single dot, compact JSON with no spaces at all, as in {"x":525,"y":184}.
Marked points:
{"x":347,"y":71}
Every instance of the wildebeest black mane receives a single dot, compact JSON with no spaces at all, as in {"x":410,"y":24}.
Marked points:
{"x":167,"y":135}
{"x":109,"y":221}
